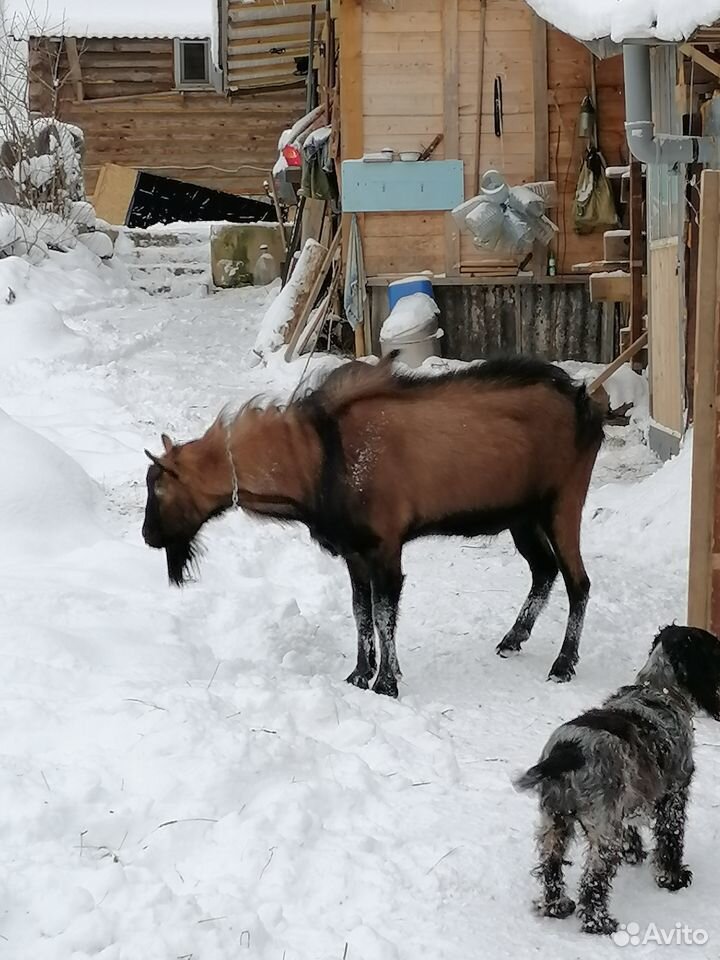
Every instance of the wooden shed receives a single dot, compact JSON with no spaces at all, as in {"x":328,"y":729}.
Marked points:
{"x":154,"y":86}
{"x":413,"y":69}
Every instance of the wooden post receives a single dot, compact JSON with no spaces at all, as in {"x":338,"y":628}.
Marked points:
{"x":451,"y":108}
{"x":704,"y":575}
{"x":541,"y":124}
{"x":637,"y":303}
{"x":75,"y":69}
{"x":352,"y":137}
{"x":481,"y":83}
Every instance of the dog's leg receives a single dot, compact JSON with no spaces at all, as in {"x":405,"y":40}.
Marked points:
{"x":554,"y":836}
{"x":603,"y":858}
{"x":362,"y":610}
{"x":670,"y":872}
{"x":633,"y":849}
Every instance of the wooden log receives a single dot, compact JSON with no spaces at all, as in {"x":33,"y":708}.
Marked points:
{"x":304,"y":305}
{"x":281,"y":319}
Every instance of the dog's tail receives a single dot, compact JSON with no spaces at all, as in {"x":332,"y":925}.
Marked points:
{"x":563,"y":758}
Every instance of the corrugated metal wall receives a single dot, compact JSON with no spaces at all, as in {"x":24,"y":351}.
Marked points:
{"x":556,"y":321}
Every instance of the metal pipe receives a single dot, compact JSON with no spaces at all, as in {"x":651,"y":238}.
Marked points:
{"x":645,"y":145}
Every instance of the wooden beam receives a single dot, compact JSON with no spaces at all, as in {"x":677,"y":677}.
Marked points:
{"x":75,"y":68}
{"x":479,"y":107}
{"x":541,"y":124}
{"x":626,"y":355}
{"x":611,"y":288}
{"x":704,"y":583}
{"x":451,"y":111}
{"x":702,"y":59}
{"x":637,"y":300}
{"x":352,"y":136}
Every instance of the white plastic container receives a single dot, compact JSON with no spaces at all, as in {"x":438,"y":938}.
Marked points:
{"x":265,"y":269}
{"x":412,"y":329}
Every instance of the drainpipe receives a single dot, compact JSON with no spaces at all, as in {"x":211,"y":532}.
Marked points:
{"x":645,"y":145}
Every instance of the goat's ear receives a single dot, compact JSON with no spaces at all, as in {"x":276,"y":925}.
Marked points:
{"x":166,"y":442}
{"x":163,"y":466}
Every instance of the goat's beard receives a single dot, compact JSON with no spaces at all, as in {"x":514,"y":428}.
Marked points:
{"x":181,"y":554}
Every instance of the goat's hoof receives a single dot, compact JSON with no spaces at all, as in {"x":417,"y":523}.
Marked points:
{"x":358,"y":679}
{"x":558,"y":909}
{"x":512,"y":643}
{"x":675,"y":881}
{"x":386,"y":684}
{"x":600,"y":925}
{"x":562,"y":671}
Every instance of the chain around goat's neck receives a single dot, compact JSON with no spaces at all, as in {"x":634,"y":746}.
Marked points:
{"x":233,"y":471}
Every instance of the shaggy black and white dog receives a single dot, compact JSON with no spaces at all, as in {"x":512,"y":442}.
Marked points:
{"x":630,"y":759}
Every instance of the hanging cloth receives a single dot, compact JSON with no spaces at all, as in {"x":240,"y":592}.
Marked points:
{"x":355,"y":298}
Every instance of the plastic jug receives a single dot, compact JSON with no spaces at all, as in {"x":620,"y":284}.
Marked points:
{"x":265,"y":269}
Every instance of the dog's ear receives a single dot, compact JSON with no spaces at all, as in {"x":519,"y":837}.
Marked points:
{"x":695,"y":658}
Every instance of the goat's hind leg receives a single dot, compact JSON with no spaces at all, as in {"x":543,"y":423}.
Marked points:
{"x":564,"y":534}
{"x":554,"y":835}
{"x":535,"y":547}
{"x":362,"y":611}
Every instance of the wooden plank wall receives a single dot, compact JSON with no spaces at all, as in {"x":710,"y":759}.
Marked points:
{"x":263,"y":39}
{"x":508,"y":54}
{"x":569,"y":80}
{"x":132,"y":116}
{"x":403,"y":103}
{"x":404,"y":77}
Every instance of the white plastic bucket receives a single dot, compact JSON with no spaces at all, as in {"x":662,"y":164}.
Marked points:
{"x":415,"y":342}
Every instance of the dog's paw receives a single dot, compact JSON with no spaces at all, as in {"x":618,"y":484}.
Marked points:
{"x":558,"y":909}
{"x":633,"y":850}
{"x":602,"y":925}
{"x":675,"y":881}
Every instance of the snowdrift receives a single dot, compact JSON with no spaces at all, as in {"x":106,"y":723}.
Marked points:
{"x":48,"y":504}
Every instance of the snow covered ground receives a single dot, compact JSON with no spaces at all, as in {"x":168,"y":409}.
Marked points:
{"x":184,"y":773}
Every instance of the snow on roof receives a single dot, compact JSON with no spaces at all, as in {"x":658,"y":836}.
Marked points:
{"x":628,"y":19}
{"x":103,"y":18}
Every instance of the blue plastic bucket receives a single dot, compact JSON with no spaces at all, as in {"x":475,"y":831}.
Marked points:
{"x":404,"y":288}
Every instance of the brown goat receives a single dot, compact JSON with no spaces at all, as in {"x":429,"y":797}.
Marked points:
{"x":372,"y":459}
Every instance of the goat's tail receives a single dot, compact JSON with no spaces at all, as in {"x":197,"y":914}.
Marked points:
{"x":563,"y":758}
{"x":589,"y":419}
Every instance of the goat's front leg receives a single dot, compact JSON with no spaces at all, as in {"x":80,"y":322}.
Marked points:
{"x":670,"y":872}
{"x":387,"y":581}
{"x":362,"y":611}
